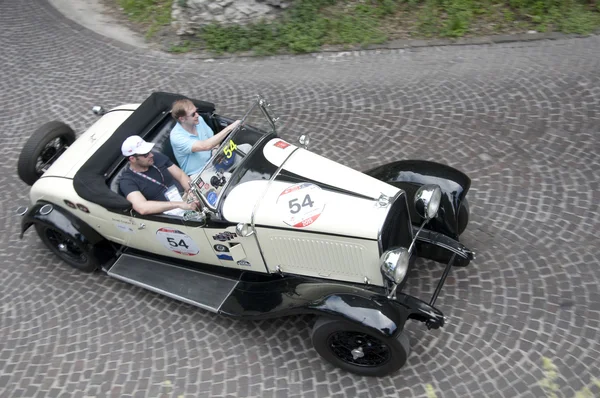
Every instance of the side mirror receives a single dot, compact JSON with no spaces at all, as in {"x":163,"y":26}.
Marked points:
{"x":304,"y":140}
{"x":244,"y":230}
{"x":427,"y":201}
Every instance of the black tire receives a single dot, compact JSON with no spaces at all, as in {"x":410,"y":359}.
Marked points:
{"x":463,"y":216}
{"x":43,"y":147}
{"x":72,"y":252}
{"x":336,"y":341}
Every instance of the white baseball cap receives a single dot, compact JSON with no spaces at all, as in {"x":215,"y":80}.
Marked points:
{"x":135,"y":145}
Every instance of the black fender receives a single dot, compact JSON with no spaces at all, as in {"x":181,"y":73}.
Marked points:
{"x":50,"y":215}
{"x":293,"y":295}
{"x":410,"y":175}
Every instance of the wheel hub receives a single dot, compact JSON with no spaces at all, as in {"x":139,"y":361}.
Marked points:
{"x":359,"y":349}
{"x":357,"y":353}
{"x":62,"y":247}
{"x":48,"y":154}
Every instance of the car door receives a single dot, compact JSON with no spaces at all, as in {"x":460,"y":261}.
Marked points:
{"x":234,"y":251}
{"x":167,"y":236}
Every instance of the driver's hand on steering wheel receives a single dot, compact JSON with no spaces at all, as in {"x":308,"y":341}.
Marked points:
{"x":234,"y":124}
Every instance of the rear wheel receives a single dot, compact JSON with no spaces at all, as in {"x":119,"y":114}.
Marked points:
{"x":44,"y":146}
{"x":68,"y":249}
{"x":359,"y":349}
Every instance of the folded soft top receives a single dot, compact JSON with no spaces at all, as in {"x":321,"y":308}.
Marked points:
{"x":90,"y":181}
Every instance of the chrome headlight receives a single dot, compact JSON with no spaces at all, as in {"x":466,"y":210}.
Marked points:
{"x":394,"y":264}
{"x":427,"y":201}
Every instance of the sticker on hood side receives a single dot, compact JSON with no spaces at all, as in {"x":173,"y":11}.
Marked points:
{"x":177,"y":241}
{"x":301,"y":204}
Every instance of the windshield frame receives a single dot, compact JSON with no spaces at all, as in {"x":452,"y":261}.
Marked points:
{"x":262,"y":104}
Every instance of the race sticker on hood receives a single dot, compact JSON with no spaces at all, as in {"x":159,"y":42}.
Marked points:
{"x":177,"y":241}
{"x":301,"y":204}
{"x":281,"y":144}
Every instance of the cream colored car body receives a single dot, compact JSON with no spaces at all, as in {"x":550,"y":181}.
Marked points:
{"x":340,"y":241}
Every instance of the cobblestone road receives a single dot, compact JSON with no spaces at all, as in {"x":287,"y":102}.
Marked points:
{"x":522,"y":119}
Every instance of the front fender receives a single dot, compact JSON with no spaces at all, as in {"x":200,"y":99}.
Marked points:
{"x":410,"y":175}
{"x":292,"y":295}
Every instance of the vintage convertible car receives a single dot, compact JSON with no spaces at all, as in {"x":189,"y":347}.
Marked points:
{"x":281,"y":231}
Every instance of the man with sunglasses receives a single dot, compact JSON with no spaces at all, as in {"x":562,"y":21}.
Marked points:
{"x":152,"y":183}
{"x":191,"y":138}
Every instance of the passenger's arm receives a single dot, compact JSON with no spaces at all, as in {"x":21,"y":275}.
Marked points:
{"x":215,"y":140}
{"x":143,"y":206}
{"x":180,"y":176}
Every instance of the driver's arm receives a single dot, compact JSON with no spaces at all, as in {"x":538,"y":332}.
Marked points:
{"x":215,"y":140}
{"x":143,"y":206}
{"x":180,"y":176}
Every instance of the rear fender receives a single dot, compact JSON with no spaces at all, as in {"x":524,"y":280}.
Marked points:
{"x":77,"y":230}
{"x":410,"y":175}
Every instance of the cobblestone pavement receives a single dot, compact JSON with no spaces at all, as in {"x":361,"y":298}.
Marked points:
{"x":522,"y":119}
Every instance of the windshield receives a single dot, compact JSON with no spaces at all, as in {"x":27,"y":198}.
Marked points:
{"x":217,"y":172}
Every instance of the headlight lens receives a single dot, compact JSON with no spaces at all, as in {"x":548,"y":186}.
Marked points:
{"x":394,"y":264}
{"x":427,"y":200}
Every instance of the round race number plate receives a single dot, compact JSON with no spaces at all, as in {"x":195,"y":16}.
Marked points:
{"x":176,"y":241}
{"x":301,"y":204}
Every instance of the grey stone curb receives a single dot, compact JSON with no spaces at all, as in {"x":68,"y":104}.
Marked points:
{"x":410,"y":44}
{"x":391,"y":45}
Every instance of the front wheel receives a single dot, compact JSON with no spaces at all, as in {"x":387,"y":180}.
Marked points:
{"x":69,"y":250}
{"x":359,"y":349}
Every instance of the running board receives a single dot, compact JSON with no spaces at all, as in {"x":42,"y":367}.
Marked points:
{"x":193,"y":287}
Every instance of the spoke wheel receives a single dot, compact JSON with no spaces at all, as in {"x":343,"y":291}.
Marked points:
{"x":42,"y":149}
{"x":359,"y":349}
{"x":69,"y":250}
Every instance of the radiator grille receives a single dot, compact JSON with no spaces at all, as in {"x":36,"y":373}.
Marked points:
{"x":397,"y":229}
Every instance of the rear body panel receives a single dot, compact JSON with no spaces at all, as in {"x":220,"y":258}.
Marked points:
{"x":88,"y":143}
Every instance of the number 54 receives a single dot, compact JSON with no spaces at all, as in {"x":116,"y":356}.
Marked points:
{"x":295,"y":207}
{"x":228,"y":150}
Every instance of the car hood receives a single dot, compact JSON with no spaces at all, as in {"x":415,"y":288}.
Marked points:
{"x":310,"y":193}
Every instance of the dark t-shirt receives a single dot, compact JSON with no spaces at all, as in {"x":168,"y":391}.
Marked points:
{"x":131,"y":182}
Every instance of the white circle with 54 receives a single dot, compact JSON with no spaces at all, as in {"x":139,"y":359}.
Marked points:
{"x":301,"y":204}
{"x":176,"y":241}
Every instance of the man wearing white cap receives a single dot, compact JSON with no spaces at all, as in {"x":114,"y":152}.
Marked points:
{"x":152,"y":183}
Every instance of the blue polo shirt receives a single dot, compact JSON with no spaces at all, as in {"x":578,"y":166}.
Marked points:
{"x":182,"y":141}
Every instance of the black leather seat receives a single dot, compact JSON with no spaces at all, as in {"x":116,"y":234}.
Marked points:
{"x":162,"y":144}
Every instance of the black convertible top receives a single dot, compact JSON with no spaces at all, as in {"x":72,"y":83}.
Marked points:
{"x":90,"y":181}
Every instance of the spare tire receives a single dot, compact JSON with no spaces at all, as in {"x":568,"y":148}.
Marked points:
{"x":45,"y":145}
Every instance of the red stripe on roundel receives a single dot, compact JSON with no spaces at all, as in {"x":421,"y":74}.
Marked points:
{"x":306,"y":222}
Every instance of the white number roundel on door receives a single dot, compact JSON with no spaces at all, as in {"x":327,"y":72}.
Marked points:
{"x":301,"y":204}
{"x":177,"y":242}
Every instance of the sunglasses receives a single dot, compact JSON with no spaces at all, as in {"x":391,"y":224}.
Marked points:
{"x":145,"y":155}
{"x":194,"y":113}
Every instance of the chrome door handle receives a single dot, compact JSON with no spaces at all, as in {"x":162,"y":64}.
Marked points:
{"x":142,"y":226}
